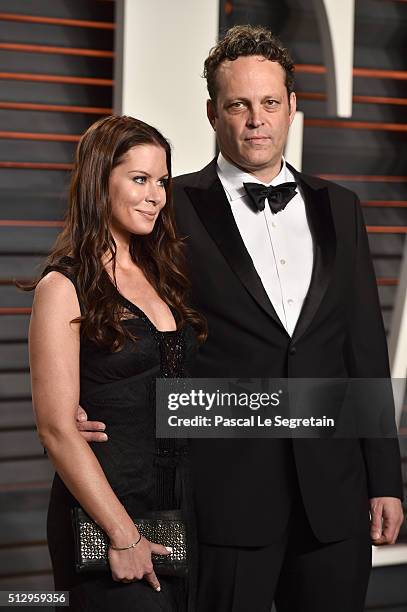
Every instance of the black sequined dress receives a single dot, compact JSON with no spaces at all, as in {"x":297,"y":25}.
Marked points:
{"x":146,"y":473}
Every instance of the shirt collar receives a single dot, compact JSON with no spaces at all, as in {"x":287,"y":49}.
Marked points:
{"x":232,"y":178}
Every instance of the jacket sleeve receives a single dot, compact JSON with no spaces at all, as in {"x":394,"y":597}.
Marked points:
{"x":367,"y":358}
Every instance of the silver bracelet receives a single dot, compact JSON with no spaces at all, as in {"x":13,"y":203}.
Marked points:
{"x":126,"y":547}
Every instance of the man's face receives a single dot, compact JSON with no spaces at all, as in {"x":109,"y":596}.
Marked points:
{"x":252,"y":114}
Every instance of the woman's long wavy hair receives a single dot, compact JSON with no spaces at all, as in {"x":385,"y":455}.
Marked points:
{"x":86,"y":237}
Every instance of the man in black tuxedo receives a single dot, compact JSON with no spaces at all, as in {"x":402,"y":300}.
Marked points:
{"x":287,"y":292}
{"x":286,"y":283}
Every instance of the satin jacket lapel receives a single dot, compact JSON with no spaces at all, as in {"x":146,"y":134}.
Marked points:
{"x":320,"y":220}
{"x":212,"y":207}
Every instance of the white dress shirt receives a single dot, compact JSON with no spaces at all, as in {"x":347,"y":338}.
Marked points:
{"x":280,"y":244}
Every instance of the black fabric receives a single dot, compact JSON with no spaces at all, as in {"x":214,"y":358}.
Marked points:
{"x":297,"y":572}
{"x":145,"y":472}
{"x":244,"y":487}
{"x":277,"y":197}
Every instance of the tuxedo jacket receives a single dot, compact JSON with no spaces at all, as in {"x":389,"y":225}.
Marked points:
{"x":243,"y":487}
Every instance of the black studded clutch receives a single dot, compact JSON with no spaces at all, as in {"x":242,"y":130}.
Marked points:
{"x":161,"y":527}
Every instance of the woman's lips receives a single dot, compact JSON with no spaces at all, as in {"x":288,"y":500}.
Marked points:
{"x":146,"y":213}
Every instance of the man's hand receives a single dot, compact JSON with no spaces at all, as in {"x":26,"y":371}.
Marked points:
{"x":386,"y":519}
{"x":90,"y":430}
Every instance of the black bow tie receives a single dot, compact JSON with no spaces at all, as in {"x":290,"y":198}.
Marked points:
{"x":278,"y":197}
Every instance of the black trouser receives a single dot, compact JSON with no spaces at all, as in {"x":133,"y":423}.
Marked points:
{"x":298,"y":573}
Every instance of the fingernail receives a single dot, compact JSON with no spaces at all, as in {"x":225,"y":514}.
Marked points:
{"x":82,"y":417}
{"x":102,"y":428}
{"x":104,"y":437}
{"x":158,"y":589}
{"x":168,"y":548}
{"x":375,"y":535}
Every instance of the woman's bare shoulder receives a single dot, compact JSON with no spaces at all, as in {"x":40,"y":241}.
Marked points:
{"x":56,"y":290}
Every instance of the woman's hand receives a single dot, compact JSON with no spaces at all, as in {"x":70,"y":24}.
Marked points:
{"x":135,"y":563}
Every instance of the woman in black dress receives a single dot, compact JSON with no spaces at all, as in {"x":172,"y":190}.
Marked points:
{"x":109,"y":316}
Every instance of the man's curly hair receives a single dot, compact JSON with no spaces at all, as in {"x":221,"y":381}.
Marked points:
{"x":242,"y":41}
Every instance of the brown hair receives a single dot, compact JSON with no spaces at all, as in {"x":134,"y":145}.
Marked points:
{"x":86,"y":236}
{"x":242,"y":41}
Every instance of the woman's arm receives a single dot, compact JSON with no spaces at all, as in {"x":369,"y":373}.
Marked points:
{"x":54,"y":362}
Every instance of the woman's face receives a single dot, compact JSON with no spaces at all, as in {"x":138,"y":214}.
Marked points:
{"x":137,"y":190}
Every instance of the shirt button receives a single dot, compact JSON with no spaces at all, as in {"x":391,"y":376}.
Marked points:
{"x":282,"y":261}
{"x":290,"y":301}
{"x":273,"y":224}
{"x":292,"y":350}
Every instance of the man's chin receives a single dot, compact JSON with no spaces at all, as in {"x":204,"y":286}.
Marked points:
{"x":255,"y":163}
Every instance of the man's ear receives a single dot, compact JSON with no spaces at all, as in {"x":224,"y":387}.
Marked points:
{"x":293,"y":106}
{"x":211,"y":113}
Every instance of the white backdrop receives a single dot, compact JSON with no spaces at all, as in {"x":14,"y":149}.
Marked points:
{"x":160,"y":50}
